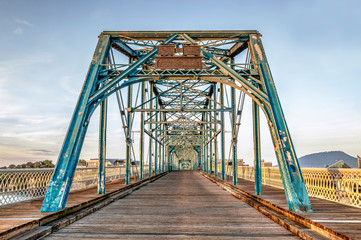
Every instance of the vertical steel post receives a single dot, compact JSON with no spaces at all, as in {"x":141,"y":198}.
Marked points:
{"x":129,"y":135}
{"x":210,"y":143}
{"x":199,"y":158}
{"x":170,"y":159}
{"x":102,"y":145}
{"x":163,"y":160}
{"x":161,"y":154}
{"x":202,"y":147}
{"x":142,"y":134}
{"x":150,"y":129}
{"x":202,"y":156}
{"x":223,"y":173}
{"x":234,"y":136}
{"x":155,"y":142}
{"x":163,"y":147}
{"x":207,"y":146}
{"x":215,"y":130}
{"x":257,"y":149}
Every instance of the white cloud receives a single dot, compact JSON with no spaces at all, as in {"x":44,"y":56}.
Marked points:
{"x":24,"y":22}
{"x":18,"y":31}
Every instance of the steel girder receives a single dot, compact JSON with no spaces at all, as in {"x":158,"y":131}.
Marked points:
{"x":183,"y":108}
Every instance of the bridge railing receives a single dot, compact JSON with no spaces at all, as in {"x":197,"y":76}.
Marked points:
{"x":23,"y":184}
{"x":337,"y":185}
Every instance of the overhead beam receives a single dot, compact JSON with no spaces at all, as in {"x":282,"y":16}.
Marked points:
{"x":161,"y":35}
{"x":176,"y":122}
{"x":124,"y":48}
{"x":182,"y":110}
{"x":237,"y":48}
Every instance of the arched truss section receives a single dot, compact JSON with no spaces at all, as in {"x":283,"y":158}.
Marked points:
{"x":182,"y":107}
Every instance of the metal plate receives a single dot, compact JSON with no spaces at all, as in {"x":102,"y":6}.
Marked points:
{"x":164,"y":50}
{"x":191,"y":50}
{"x":178,"y":62}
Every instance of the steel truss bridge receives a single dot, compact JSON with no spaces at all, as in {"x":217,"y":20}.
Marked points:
{"x":181,"y":86}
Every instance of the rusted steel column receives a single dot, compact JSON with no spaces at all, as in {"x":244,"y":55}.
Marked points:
{"x":257,"y":149}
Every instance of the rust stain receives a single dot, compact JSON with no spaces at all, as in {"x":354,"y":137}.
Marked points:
{"x":259,"y":51}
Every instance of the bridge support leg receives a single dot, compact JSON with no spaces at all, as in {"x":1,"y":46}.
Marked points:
{"x":223,"y":173}
{"x":201,"y":152}
{"x":163,"y":154}
{"x":210,"y":144}
{"x":257,"y":149}
{"x":160,"y":158}
{"x":164,"y":146}
{"x":234,"y":137}
{"x":129,"y":136}
{"x":60,"y":183}
{"x":150,"y":168}
{"x":294,"y":185}
{"x":156,"y":143}
{"x":199,"y":158}
{"x":142,"y":134}
{"x":207,"y":158}
{"x":215,"y":130}
{"x":102,"y":146}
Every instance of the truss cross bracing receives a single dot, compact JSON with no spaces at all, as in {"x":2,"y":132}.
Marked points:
{"x":186,"y":87}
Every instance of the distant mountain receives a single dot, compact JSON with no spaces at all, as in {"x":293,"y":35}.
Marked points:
{"x":325,"y":159}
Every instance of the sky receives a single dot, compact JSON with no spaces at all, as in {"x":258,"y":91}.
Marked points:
{"x":313,"y":48}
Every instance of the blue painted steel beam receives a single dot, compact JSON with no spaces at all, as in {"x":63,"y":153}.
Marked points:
{"x":129,"y":136}
{"x":215,"y":129}
{"x":230,"y":72}
{"x":102,"y":145}
{"x":125,"y":49}
{"x":295,"y":189}
{"x":234,"y":136}
{"x":60,"y":183}
{"x":223,"y":172}
{"x":211,"y":143}
{"x":128,"y":72}
{"x":156,"y":157}
{"x":150,"y":168}
{"x":142,"y":134}
{"x":257,"y":149}
{"x":163,"y":147}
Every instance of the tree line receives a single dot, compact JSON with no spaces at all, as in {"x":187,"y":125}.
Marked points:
{"x":39,"y":164}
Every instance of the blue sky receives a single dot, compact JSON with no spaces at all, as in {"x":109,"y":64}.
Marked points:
{"x":313,"y":48}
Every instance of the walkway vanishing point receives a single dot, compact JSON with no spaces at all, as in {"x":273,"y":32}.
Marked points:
{"x":181,"y":205}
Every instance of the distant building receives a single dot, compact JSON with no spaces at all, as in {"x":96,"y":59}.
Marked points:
{"x":265,"y":164}
{"x":339,"y":164}
{"x":239,"y":161}
{"x":94,"y":162}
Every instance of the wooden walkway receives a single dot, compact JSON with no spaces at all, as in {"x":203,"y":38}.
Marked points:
{"x":19,"y":217}
{"x":341,"y":218}
{"x":180,"y":205}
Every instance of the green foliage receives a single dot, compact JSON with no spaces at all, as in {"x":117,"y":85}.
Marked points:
{"x":39,"y":164}
{"x":82,"y":162}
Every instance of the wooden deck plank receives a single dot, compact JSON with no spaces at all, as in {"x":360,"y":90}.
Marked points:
{"x":15,"y":216}
{"x":181,"y":205}
{"x":330,"y":214}
{"x":336,"y":216}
